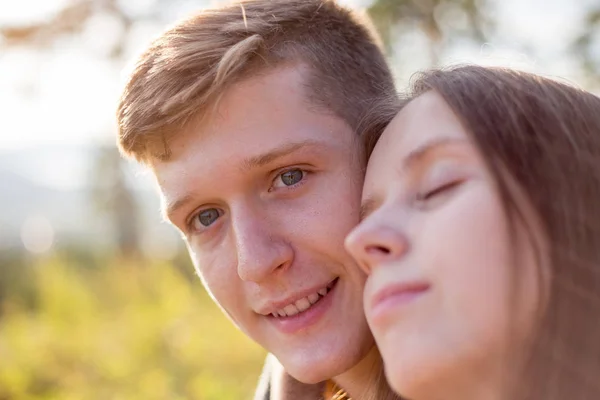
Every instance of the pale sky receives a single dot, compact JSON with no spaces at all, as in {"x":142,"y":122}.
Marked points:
{"x":24,"y":11}
{"x":68,"y":93}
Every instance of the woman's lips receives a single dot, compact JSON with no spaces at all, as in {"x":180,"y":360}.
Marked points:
{"x":394,"y":295}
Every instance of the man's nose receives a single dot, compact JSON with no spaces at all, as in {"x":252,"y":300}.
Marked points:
{"x":261,"y":248}
{"x":374,"y":242}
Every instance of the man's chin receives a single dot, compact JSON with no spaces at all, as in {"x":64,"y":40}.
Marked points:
{"x":283,"y":385}
{"x":304,"y":372}
{"x":308,"y":378}
{"x":315,"y":370}
{"x":321,"y":355}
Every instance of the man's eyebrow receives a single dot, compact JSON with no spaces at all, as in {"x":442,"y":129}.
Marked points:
{"x":261,"y":160}
{"x":420,"y":153}
{"x":173,"y":207}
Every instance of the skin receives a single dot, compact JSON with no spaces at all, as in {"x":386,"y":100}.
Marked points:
{"x":266,"y":173}
{"x":462,"y":296}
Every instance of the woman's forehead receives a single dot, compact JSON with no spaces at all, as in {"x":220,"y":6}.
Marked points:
{"x":426,"y":118}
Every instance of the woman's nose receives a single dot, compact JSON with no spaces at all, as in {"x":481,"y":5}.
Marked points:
{"x":375,"y":242}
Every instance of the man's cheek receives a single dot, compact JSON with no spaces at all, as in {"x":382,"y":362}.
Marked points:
{"x":227,"y":296}
{"x":215,"y":277}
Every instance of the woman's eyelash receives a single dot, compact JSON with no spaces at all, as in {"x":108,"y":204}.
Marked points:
{"x":423,"y":196}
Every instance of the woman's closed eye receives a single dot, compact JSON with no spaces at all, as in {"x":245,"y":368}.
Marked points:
{"x":435,"y":194}
{"x":437,"y":190}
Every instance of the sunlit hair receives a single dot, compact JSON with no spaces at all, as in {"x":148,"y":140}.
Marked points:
{"x":543,"y":136}
{"x":181,"y":76}
{"x":377,"y":387}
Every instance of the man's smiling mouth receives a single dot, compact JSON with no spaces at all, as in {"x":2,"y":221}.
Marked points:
{"x":305,"y":303}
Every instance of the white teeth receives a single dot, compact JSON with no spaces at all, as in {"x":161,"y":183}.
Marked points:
{"x":303,"y":304}
{"x":290,"y":310}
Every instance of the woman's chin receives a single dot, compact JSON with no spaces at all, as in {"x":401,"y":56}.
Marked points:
{"x":403,"y":375}
{"x":410,"y":372}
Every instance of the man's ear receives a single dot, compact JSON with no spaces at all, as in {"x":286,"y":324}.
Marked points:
{"x":276,"y":384}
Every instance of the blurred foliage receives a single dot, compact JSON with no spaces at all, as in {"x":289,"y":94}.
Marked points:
{"x":69,"y":20}
{"x":119,"y":332}
{"x":586,"y":47}
{"x":440,"y":20}
{"x":113,"y":199}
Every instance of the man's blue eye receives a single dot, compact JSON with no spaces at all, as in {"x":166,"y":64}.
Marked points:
{"x":292,"y":177}
{"x":208,"y":217}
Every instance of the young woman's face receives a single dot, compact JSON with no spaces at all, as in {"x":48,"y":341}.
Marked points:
{"x":451,"y":285}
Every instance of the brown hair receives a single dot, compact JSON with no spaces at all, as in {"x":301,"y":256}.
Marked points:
{"x":185,"y":70}
{"x":545,"y":135}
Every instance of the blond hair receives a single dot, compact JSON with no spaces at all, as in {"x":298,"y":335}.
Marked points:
{"x":185,"y":70}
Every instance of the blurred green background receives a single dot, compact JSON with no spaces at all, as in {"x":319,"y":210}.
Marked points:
{"x":98,"y":298}
{"x":118,"y":331}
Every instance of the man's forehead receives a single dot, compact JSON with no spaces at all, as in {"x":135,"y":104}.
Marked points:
{"x":212,"y":150}
{"x":166,"y":182}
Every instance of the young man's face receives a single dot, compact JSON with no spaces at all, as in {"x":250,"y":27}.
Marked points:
{"x":265,"y":192}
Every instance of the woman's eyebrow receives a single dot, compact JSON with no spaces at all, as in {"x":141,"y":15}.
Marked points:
{"x":421,"y":153}
{"x":367,"y":206}
{"x":411,"y":161}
